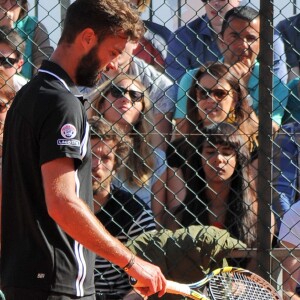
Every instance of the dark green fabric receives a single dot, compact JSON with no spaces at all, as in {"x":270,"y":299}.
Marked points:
{"x":187,"y":254}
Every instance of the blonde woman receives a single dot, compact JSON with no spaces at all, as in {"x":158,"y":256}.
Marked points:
{"x":125,"y":102}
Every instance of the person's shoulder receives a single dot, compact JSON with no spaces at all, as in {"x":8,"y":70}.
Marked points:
{"x":19,"y":81}
{"x":288,"y":137}
{"x":189,"y":75}
{"x":159,"y":29}
{"x":291,"y":128}
{"x":27,"y":23}
{"x":196,"y":24}
{"x":129,"y":202}
{"x":293,"y":83}
{"x":288,"y":21}
{"x":139,"y":67}
{"x":292,"y":214}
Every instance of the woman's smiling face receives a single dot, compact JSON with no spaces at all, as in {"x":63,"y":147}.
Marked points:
{"x":122,"y":104}
{"x":215,"y":99}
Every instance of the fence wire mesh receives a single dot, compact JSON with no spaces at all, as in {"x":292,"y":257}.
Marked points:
{"x":195,"y":134}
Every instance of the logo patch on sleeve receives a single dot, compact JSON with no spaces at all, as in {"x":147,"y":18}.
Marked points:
{"x":68,"y":131}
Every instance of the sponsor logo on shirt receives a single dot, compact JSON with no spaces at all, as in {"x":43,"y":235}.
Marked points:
{"x":68,"y":131}
{"x":73,"y":143}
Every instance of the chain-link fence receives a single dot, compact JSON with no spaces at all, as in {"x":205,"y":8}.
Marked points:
{"x":194,"y":134}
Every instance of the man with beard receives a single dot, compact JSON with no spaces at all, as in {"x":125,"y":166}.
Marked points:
{"x":124,"y":215}
{"x":49,"y":233}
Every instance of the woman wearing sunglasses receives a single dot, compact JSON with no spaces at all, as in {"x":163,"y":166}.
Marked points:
{"x":124,"y":101}
{"x":14,"y":14}
{"x":216,"y":96}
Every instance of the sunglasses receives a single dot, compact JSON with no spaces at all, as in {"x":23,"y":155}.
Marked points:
{"x":4,"y":106}
{"x":119,"y":92}
{"x":8,"y":62}
{"x":217,"y":94}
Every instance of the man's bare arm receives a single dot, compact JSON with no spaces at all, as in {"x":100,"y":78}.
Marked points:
{"x":77,"y":220}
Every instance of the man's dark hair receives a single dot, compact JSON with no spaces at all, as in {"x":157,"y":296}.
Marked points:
{"x":12,"y":39}
{"x":105,"y":131}
{"x":245,"y":13}
{"x":105,"y":17}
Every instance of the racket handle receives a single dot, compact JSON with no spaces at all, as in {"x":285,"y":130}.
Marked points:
{"x":176,"y":288}
{"x":184,"y":290}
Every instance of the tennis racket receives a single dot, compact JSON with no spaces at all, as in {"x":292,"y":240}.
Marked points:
{"x":227,"y":283}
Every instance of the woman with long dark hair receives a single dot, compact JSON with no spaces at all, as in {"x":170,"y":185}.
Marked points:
{"x":217,"y":175}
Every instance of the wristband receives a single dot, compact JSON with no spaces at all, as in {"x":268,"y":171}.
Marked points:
{"x":130,"y":263}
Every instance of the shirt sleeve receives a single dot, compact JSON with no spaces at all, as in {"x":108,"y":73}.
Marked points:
{"x":280,"y":99}
{"x":177,"y":60}
{"x":290,"y":226}
{"x":285,"y":172}
{"x":64,"y":129}
{"x":182,"y":94}
{"x":290,"y":38}
{"x":280,"y":68}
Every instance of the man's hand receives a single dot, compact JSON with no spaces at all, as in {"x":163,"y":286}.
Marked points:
{"x":150,"y":278}
{"x":242,"y":70}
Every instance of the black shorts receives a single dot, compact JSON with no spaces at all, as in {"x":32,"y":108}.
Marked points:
{"x":22,"y":294}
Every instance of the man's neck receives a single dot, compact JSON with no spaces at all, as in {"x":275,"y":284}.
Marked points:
{"x":64,"y":57}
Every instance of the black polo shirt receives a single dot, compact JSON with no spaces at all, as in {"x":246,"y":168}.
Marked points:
{"x":46,"y":121}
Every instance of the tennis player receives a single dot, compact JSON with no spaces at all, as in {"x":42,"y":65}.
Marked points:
{"x":49,"y":232}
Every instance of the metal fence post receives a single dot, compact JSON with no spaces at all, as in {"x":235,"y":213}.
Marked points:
{"x":265,"y":139}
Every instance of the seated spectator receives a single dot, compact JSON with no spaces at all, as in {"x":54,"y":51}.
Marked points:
{"x":11,"y":53}
{"x":289,"y":237}
{"x":196,"y":42}
{"x":124,"y":215}
{"x":218,"y":179}
{"x":240,"y":46}
{"x":286,"y":166}
{"x":124,"y":101}
{"x":215,"y":96}
{"x":152,"y":48}
{"x":289,"y":31}
{"x":156,"y":84}
{"x":14,"y":14}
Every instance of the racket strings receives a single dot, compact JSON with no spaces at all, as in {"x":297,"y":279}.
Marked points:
{"x":236,"y":286}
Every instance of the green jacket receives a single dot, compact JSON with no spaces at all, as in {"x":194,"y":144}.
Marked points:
{"x":187,"y":254}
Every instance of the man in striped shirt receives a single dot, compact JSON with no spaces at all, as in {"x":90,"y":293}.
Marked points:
{"x":124,"y":215}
